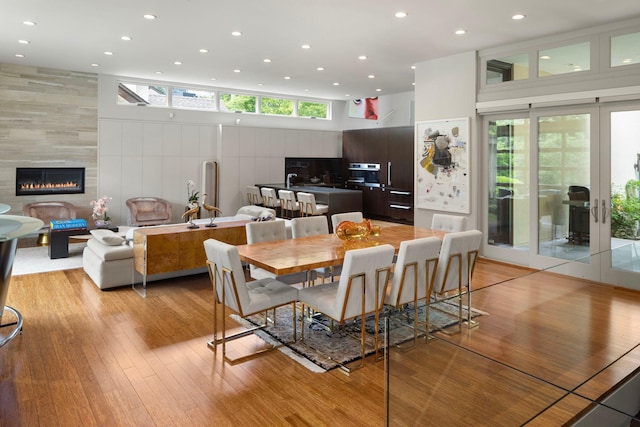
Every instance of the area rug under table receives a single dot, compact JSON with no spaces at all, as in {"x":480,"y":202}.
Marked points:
{"x":328,"y":350}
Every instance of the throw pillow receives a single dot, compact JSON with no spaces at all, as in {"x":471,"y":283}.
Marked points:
{"x":107,"y":237}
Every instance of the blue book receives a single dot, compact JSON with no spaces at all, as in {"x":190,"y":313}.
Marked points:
{"x":68,"y":224}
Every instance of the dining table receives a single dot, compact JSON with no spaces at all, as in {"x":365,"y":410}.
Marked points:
{"x":282,"y":257}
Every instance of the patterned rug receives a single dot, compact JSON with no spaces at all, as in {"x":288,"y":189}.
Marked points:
{"x":328,"y":350}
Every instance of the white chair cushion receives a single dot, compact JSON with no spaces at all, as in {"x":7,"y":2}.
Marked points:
{"x":107,"y":237}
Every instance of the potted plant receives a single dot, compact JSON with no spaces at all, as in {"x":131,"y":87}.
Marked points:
{"x":625,"y":212}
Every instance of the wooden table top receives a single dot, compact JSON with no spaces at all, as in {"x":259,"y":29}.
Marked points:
{"x":307,"y":253}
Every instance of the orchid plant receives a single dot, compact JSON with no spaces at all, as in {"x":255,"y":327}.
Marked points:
{"x":100,"y":210}
{"x":192,"y":195}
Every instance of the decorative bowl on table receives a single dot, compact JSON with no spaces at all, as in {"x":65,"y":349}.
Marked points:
{"x":353,"y":231}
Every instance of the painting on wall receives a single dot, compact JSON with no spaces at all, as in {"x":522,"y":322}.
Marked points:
{"x":365,"y":108}
{"x":442,"y":177}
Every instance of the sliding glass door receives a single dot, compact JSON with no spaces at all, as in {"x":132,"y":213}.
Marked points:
{"x":562,"y":191}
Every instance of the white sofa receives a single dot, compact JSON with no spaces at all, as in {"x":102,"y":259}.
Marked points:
{"x":108,"y":258}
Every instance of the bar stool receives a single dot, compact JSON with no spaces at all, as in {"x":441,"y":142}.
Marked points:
{"x":308,"y":205}
{"x":288,"y":203}
{"x":270,"y":199}
{"x":253,"y":195}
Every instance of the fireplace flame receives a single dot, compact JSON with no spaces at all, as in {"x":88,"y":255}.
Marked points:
{"x":61,"y":185}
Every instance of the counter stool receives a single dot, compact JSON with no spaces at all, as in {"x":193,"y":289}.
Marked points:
{"x":270,"y":199}
{"x":253,"y":195}
{"x":308,"y":205}
{"x":288,"y":204}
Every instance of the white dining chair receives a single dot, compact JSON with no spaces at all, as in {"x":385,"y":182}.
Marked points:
{"x":446,"y":222}
{"x":314,"y":226}
{"x":269,"y":231}
{"x":336,"y":219}
{"x":308,"y":205}
{"x":413,"y":276}
{"x":233,"y":292}
{"x":456,"y":262}
{"x":359,"y":292}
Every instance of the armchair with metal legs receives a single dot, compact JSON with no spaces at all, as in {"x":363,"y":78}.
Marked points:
{"x":457,"y":260}
{"x":412,"y":279}
{"x":245,"y":298}
{"x":359,"y":292}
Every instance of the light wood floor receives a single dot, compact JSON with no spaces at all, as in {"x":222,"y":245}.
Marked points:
{"x":111,"y":358}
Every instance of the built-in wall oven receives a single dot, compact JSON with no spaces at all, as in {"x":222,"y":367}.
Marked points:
{"x":367,"y":174}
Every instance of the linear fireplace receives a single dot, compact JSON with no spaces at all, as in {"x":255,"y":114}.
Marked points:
{"x":36,"y":181}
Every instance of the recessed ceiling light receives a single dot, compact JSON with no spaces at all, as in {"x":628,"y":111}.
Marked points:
{"x":371,"y":76}
{"x":213,"y":79}
{"x":306,"y":46}
{"x":401,"y":14}
{"x":287,"y":78}
{"x":336,"y":84}
{"x":177,"y":62}
{"x":306,"y":90}
{"x":260,"y":84}
{"x":627,"y":61}
{"x":108,"y":53}
{"x":320,"y":68}
{"x":413,"y":67}
{"x":95,"y":65}
{"x":347,"y":94}
{"x":236,"y":70}
{"x":378,"y":90}
{"x":150,"y":17}
{"x":236,"y":33}
{"x":461,"y":32}
{"x":23,"y":41}
{"x":19,"y":55}
{"x":362,"y":57}
{"x":518,"y":17}
{"x":267,"y":60}
{"x":29,"y":23}
{"x":545,"y":57}
{"x":413,"y":84}
{"x":204,"y":50}
{"x":158,"y":72}
{"x":126,"y":38}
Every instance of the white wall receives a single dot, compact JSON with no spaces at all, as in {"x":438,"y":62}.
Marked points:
{"x":446,"y":89}
{"x":251,"y":156}
{"x":142,"y":151}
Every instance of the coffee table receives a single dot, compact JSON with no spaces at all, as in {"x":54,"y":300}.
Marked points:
{"x":59,"y":239}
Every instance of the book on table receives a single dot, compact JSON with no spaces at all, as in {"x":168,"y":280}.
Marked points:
{"x":68,"y":224}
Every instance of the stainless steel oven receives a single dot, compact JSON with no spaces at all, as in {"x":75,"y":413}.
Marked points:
{"x":367,"y":174}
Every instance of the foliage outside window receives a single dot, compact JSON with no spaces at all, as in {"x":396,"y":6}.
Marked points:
{"x":278,"y":106}
{"x":234,"y":102}
{"x":312,"y":109}
{"x":625,"y":211}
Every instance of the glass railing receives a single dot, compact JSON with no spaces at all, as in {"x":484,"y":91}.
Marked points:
{"x":549,"y":350}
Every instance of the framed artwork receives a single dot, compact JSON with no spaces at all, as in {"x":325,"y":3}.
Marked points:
{"x":442,"y":172}
{"x":364,"y":108}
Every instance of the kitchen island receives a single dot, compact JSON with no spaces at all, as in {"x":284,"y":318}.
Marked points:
{"x":338,"y":199}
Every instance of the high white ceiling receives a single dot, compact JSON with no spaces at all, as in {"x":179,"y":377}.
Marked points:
{"x":73,"y":34}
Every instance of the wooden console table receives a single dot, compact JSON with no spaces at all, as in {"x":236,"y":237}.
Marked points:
{"x":166,"y":249}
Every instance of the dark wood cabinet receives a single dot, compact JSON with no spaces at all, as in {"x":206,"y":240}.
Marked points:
{"x":393,"y":149}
